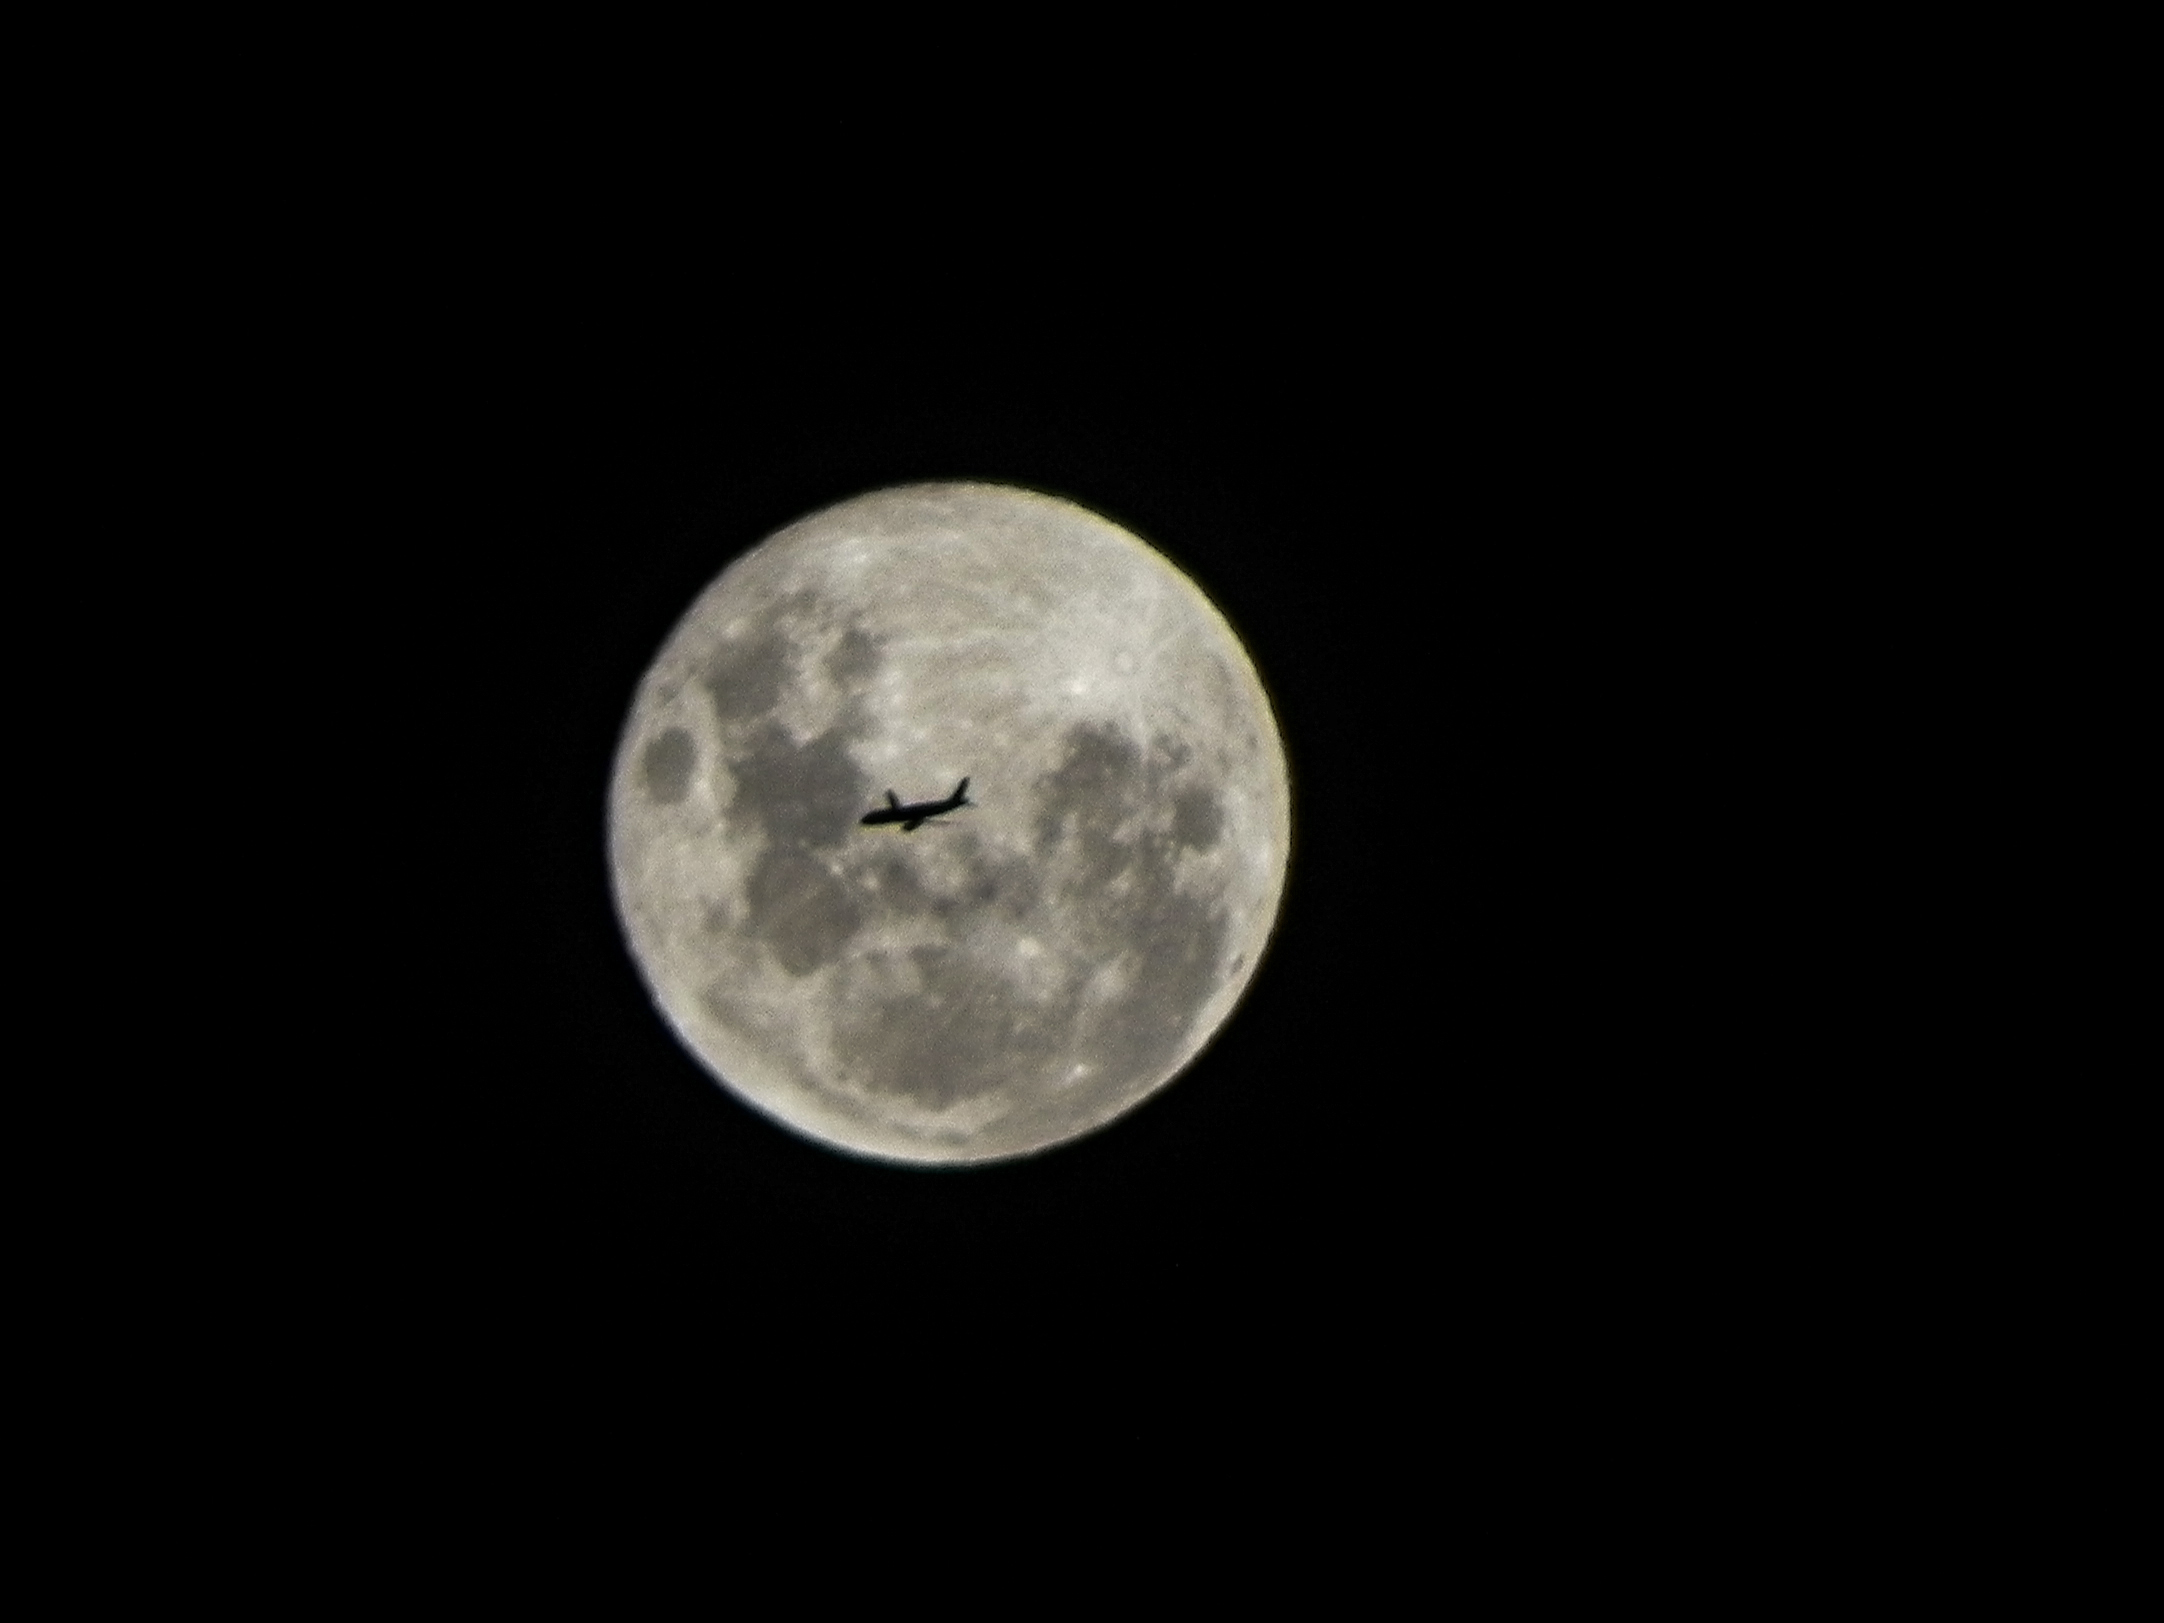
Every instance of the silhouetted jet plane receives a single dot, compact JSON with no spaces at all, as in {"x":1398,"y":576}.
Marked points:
{"x":912,"y":817}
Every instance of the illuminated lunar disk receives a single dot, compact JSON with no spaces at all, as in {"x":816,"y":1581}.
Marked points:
{"x":1015,"y":973}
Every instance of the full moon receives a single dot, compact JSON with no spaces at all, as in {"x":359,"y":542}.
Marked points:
{"x":1013,"y":973}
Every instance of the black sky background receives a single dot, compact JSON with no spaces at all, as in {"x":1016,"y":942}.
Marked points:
{"x":1537,"y":467}
{"x":1466,"y":541}
{"x":1563,"y":461}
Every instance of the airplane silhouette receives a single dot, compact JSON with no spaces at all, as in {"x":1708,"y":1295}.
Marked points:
{"x":913,"y":817}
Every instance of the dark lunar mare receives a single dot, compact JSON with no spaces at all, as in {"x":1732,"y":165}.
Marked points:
{"x":667,"y":764}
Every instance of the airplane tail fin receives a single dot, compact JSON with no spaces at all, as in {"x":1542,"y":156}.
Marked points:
{"x":961,"y":793}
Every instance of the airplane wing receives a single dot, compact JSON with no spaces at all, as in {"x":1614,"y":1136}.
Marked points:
{"x":912,"y":825}
{"x":892,"y":802}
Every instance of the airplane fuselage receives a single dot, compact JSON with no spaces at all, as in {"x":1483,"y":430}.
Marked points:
{"x":913,"y":816}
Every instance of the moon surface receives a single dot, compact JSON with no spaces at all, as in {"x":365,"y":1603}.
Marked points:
{"x":1011,"y":975}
